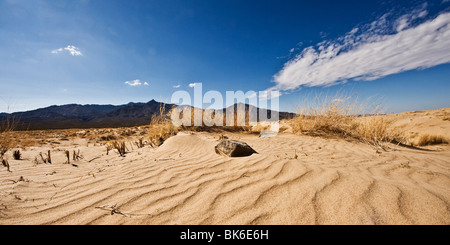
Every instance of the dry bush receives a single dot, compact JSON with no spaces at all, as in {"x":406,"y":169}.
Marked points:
{"x":128,"y":133}
{"x":17,"y":155}
{"x":108,"y":137}
{"x":161,"y":127}
{"x":344,"y":116}
{"x":427,"y":139}
{"x":46,"y":158}
{"x":140,"y":143}
{"x":119,"y":146}
{"x":375,"y":130}
{"x":224,"y":128}
{"x":109,"y":147}
{"x":326,"y":115}
{"x":7,"y":140}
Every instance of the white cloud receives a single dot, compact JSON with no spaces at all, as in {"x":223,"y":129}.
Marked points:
{"x":57,"y":51}
{"x":377,"y":51}
{"x":176,"y":86}
{"x":136,"y":82}
{"x":405,"y":20}
{"x":74,"y":51}
{"x":191,"y":85}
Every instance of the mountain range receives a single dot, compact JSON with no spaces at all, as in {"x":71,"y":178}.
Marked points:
{"x":98,"y":116}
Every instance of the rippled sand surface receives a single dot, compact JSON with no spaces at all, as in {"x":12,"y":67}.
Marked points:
{"x":293,"y":180}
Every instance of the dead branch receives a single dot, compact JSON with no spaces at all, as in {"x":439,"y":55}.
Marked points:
{"x":113,"y":209}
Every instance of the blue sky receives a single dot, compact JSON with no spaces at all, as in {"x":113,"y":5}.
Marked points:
{"x":117,"y":51}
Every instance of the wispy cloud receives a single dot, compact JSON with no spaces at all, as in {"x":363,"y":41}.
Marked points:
{"x":191,"y":85}
{"x":136,"y":82}
{"x":376,"y":50}
{"x":74,"y":51}
{"x":176,"y":86}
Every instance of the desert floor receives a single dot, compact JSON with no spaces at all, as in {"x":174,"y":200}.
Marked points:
{"x":294,"y":179}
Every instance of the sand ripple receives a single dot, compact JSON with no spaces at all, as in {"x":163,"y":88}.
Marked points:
{"x":185,"y":182}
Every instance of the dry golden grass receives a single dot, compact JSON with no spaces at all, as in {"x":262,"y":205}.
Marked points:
{"x":427,"y":139}
{"x":225,"y":127}
{"x":375,"y":130}
{"x":341,"y":116}
{"x":162,"y":123}
{"x":161,"y":127}
{"x":7,"y":135}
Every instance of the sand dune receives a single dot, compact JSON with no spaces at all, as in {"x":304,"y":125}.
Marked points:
{"x":331,"y":181}
{"x":419,"y":123}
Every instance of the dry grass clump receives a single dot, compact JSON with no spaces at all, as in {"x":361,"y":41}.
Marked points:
{"x":211,"y":126}
{"x":108,"y":137}
{"x":17,"y":155}
{"x":324,"y":116}
{"x":140,"y":143}
{"x":119,"y":146}
{"x":7,"y":135}
{"x":375,"y":130}
{"x":341,"y":116}
{"x":7,"y":140}
{"x":428,"y":139}
{"x":161,"y":127}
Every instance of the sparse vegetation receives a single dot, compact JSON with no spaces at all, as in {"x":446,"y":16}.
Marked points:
{"x":427,"y":139}
{"x":108,"y":138}
{"x":6,"y":139}
{"x":17,"y":155}
{"x":119,"y":146}
{"x":46,"y":158}
{"x":341,"y":116}
{"x":375,"y":130}
{"x":49,"y":157}
{"x":6,"y":135}
{"x":67,"y":153}
{"x":77,"y":155}
{"x":140,"y":143}
{"x":5,"y":164}
{"x":161,"y":128}
{"x":109,"y":147}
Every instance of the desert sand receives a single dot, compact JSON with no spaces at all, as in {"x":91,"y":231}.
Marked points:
{"x":294,"y":179}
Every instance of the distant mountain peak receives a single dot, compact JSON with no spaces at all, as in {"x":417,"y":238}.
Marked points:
{"x":96,"y":116}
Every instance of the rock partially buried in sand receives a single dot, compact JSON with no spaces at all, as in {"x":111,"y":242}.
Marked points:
{"x":234,"y":148}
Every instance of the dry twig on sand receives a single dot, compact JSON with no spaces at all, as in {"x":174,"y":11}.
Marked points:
{"x":94,"y":159}
{"x":113,"y":209}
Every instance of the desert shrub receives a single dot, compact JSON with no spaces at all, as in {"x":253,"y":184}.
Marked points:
{"x":243,"y":118}
{"x":17,"y":155}
{"x":108,"y":137}
{"x":161,"y":127}
{"x":375,"y":130}
{"x":140,"y":143}
{"x":7,"y":140}
{"x":428,"y":139}
{"x":119,"y":146}
{"x":128,"y":132}
{"x":346,"y":117}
